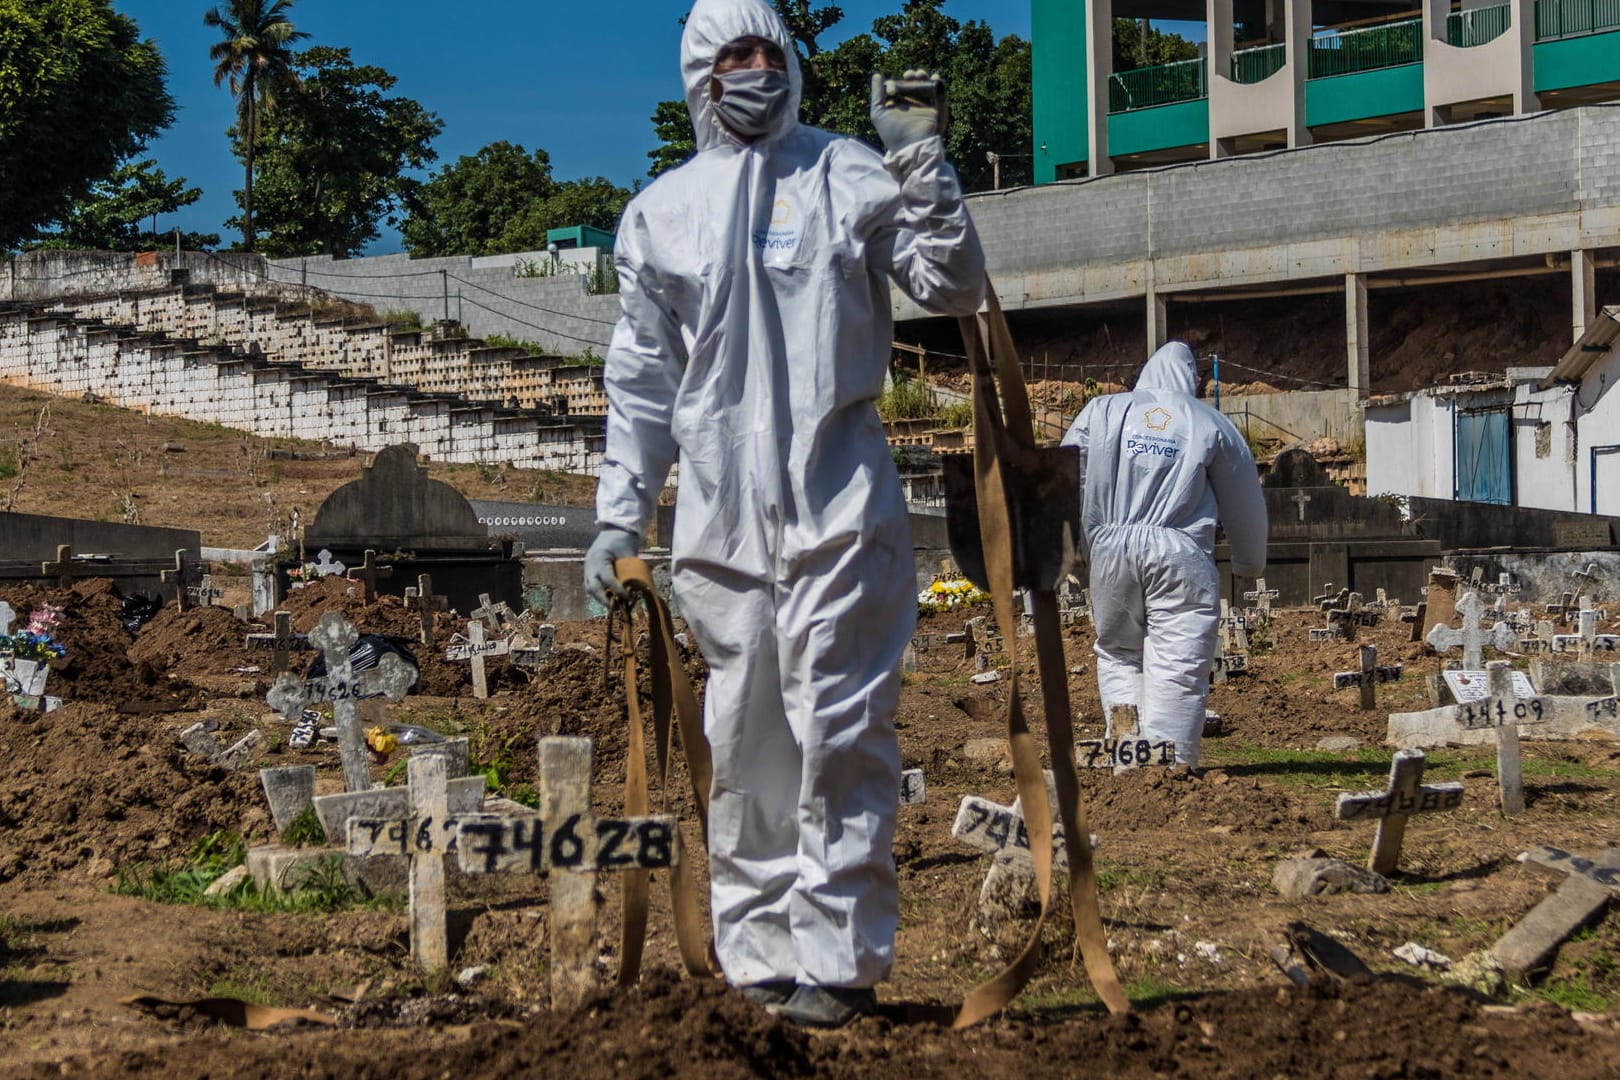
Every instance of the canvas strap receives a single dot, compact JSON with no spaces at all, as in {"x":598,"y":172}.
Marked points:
{"x":1001,"y":429}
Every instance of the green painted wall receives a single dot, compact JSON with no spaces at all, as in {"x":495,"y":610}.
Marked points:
{"x":1577,"y":61}
{"x":1058,"y":43}
{"x":1184,"y":123}
{"x":1363,"y":94}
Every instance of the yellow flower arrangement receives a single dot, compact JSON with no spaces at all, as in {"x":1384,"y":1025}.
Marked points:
{"x":947,"y":595}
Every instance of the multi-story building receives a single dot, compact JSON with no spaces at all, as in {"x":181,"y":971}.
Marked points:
{"x":1287,"y":73}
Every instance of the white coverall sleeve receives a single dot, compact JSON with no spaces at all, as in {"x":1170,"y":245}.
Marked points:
{"x":929,"y":247}
{"x":644,"y":366}
{"x":1242,"y":504}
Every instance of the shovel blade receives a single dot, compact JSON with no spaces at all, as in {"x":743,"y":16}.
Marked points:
{"x":1043,"y":494}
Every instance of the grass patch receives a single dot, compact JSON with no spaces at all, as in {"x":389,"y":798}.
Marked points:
{"x":304,"y":829}
{"x":1579,"y":992}
{"x":253,"y":991}
{"x":322,"y":887}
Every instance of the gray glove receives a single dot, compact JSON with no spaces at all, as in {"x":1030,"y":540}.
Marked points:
{"x":908,"y":109}
{"x":610,"y":545}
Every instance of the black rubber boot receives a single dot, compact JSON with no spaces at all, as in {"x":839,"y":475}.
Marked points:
{"x":826,"y":1006}
{"x":766,"y":994}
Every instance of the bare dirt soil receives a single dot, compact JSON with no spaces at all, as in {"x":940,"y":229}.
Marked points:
{"x":100,"y":793}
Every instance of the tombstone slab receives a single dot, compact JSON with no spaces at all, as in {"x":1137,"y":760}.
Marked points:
{"x":1301,"y":878}
{"x":290,"y":790}
{"x":466,"y":795}
{"x":1585,"y":895}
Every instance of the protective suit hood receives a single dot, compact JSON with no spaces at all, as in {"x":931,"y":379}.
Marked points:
{"x":712,"y":24}
{"x":1171,"y":368}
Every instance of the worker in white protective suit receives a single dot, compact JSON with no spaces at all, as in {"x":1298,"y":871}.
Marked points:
{"x":1158,"y":467}
{"x":755,"y":336}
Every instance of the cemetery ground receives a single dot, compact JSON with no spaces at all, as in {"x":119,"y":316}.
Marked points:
{"x":110,"y":831}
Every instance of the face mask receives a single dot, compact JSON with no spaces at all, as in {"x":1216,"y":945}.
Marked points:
{"x":752,"y":100}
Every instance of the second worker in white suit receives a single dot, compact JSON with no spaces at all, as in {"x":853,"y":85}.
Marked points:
{"x":755,"y":336}
{"x":1158,"y":467}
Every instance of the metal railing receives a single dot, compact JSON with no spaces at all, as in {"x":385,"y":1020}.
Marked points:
{"x":1476,"y":26}
{"x":1368,"y":48}
{"x":1574,"y":18}
{"x":1163,"y":84}
{"x":1253,"y":65}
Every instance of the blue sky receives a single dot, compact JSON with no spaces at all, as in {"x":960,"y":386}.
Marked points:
{"x":579,"y":79}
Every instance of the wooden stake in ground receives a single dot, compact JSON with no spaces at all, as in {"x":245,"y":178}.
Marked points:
{"x":368,"y":572}
{"x":1405,"y":796}
{"x":391,"y":678}
{"x":428,"y":604}
{"x":1368,"y":677}
{"x":1587,"y":889}
{"x":426,"y":836}
{"x":1499,"y":709}
{"x":566,"y":835}
{"x":62,"y":568}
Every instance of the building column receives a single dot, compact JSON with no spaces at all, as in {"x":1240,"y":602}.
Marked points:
{"x":1525,"y":98}
{"x":1158,"y":319}
{"x":1218,"y":23}
{"x":1297,"y":54}
{"x":1582,"y":292}
{"x":1355,"y":335}
{"x":1100,"y":69}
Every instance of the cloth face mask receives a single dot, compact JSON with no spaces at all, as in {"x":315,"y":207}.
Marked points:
{"x":752,"y":100}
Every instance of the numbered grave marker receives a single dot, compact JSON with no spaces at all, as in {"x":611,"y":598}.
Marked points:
{"x":913,"y":787}
{"x":1405,"y":796}
{"x":475,"y":647}
{"x":392,"y":677}
{"x":1504,"y":712}
{"x":203,"y":594}
{"x":1222,"y":667}
{"x":566,"y":835}
{"x":283,"y":641}
{"x":1472,"y":636}
{"x":1000,"y":830}
{"x":1124,"y":753}
{"x":176,"y":577}
{"x":1262,"y":598}
{"x":1588,"y":887}
{"x":1368,"y":678}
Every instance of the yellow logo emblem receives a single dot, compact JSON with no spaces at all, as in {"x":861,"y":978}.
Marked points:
{"x":781,"y":212}
{"x":1157,"y":419}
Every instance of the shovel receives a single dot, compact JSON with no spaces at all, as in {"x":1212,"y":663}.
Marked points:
{"x":1043,"y":495}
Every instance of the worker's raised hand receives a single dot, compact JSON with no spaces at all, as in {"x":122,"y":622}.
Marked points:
{"x":909,"y":109}
{"x":610,"y":545}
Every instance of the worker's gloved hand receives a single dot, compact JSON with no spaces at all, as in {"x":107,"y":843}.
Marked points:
{"x":610,"y":545}
{"x":909,"y":109}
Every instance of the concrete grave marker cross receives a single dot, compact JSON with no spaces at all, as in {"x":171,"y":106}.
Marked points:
{"x":368,"y":572}
{"x":566,"y":835}
{"x":1472,"y":636}
{"x":493,"y":615}
{"x":392,"y":676}
{"x":1501,"y":710}
{"x":475,"y":647}
{"x":1587,"y":889}
{"x":327,"y":566}
{"x":1406,"y":795}
{"x":177,"y":577}
{"x":426,"y":836}
{"x":1368,"y":677}
{"x":204,"y":594}
{"x":423,"y":600}
{"x":1262,"y":597}
{"x":61,"y":569}
{"x":283,"y":641}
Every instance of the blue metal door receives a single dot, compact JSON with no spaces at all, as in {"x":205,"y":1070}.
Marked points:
{"x":1484,"y":456}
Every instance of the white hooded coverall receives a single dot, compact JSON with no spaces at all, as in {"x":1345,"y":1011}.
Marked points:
{"x":754,"y":283}
{"x":1157,"y":465}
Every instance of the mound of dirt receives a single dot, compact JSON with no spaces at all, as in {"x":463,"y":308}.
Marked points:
{"x":86,"y":790}
{"x":198,"y":641}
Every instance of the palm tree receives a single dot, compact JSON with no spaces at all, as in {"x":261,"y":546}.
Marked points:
{"x":254,"y":56}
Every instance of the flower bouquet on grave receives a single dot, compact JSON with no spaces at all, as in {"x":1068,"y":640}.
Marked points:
{"x":948,"y":595}
{"x":305,"y":573}
{"x":26,"y":659}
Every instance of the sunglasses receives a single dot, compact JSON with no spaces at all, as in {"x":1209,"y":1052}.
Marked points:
{"x":743,"y":50}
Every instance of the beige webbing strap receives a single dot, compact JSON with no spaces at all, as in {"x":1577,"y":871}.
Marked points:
{"x":1002,"y":427}
{"x":673,"y":699}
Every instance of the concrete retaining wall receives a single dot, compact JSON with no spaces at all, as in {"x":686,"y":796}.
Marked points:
{"x":1304,"y":414}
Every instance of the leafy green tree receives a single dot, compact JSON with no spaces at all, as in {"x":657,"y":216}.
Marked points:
{"x":334,"y":155}
{"x":672,"y":127}
{"x":110,"y":217}
{"x":255,"y":57}
{"x":79,"y":91}
{"x":1138,"y":45}
{"x":503,"y":199}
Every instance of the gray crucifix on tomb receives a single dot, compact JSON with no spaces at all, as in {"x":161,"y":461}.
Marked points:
{"x":1405,"y":796}
{"x":1472,"y":636}
{"x":391,"y":678}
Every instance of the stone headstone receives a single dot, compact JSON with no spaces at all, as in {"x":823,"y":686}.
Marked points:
{"x":290,"y":791}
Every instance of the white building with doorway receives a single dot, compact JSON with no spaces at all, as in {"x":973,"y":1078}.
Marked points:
{"x":1536,"y":437}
